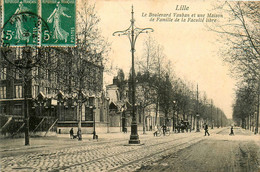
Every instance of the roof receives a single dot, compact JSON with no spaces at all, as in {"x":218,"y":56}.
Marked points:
{"x":120,"y":105}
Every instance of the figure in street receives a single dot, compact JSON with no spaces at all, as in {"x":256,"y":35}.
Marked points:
{"x":71,"y":133}
{"x":156,"y":131}
{"x":231,"y":131}
{"x":164,"y":129}
{"x":206,"y":129}
{"x":79,"y":134}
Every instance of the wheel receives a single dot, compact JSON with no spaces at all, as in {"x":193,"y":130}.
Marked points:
{"x":159,"y":133}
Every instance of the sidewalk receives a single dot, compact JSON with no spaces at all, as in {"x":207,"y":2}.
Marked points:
{"x":54,"y":141}
{"x":63,"y":140}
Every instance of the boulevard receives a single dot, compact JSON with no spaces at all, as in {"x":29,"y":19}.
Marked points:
{"x":73,"y":98}
{"x":178,"y":152}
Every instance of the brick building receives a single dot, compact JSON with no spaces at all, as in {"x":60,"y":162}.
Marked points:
{"x":52,"y":82}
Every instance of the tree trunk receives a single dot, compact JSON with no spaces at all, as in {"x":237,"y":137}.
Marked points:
{"x":258,"y":106}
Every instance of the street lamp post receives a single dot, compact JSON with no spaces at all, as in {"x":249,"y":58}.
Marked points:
{"x":108,"y":115}
{"x":198,"y":127}
{"x":173,"y":122}
{"x":221,"y":120}
{"x":123,"y":119}
{"x":211,"y":114}
{"x":133,"y":32}
{"x":217,"y":119}
{"x":197,"y":109}
{"x":92,"y":107}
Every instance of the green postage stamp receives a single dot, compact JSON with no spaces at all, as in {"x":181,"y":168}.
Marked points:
{"x":20,"y":22}
{"x":60,"y":17}
{"x":39,"y":22}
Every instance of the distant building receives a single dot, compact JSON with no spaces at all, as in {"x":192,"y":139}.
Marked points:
{"x":120,"y":108}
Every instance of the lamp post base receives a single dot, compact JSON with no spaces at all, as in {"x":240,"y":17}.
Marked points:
{"x":134,"y":138}
{"x":94,"y":135}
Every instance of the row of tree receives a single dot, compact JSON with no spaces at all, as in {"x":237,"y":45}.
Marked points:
{"x":241,"y":33}
{"x":159,"y":88}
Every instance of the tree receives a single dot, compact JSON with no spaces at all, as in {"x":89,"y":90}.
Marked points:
{"x":165,"y":99}
{"x":79,"y":67}
{"x":23,"y":63}
{"x":152,"y":64}
{"x":244,"y":106}
{"x":121,"y":83}
{"x":242,"y":38}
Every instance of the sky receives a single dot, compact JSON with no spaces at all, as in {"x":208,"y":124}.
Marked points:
{"x":190,"y":46}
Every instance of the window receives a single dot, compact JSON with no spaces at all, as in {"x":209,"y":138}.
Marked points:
{"x":18,"y":91}
{"x":3,"y":73}
{"x":18,"y":53}
{"x":3,"y":92}
{"x":34,"y":52}
{"x":47,"y":90}
{"x":48,"y":75}
{"x":17,"y":74}
{"x":17,"y":109}
{"x":35,"y":91}
{"x":35,"y":71}
{"x":3,"y":109}
{"x":83,"y":117}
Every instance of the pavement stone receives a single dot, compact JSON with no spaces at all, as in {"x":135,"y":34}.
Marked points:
{"x":108,"y":154}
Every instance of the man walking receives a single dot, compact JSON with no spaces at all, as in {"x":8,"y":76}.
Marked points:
{"x":206,"y":129}
{"x":164,"y":129}
{"x":79,"y":134}
{"x":231,"y":131}
{"x":71,"y":133}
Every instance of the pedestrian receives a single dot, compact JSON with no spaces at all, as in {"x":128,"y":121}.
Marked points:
{"x":179,"y":127}
{"x":206,"y":129}
{"x":71,"y":133}
{"x":156,"y":130}
{"x":231,"y":131}
{"x":79,"y":134}
{"x":164,"y":129}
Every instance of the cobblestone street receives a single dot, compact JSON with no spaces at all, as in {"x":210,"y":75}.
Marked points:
{"x":110,"y":153}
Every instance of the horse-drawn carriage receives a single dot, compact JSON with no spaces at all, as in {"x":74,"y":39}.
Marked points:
{"x":182,"y":126}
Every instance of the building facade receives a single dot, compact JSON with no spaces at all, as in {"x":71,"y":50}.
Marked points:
{"x":120,"y":108}
{"x":53,"y":79}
